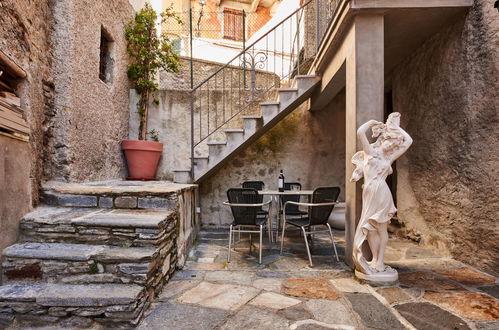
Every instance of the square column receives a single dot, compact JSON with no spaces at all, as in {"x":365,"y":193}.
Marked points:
{"x":364,"y":101}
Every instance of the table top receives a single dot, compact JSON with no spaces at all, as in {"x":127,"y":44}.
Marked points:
{"x":285,"y":192}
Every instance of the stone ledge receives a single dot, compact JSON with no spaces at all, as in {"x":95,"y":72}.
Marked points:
{"x":119,"y":188}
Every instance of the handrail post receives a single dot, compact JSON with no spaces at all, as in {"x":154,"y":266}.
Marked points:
{"x":298,"y":19}
{"x":318,"y":25}
{"x":192,"y":135}
{"x":244,"y":49}
{"x":191,"y":50}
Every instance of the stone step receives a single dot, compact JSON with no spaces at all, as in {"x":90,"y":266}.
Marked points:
{"x":98,"y":226}
{"x":80,"y":263}
{"x":42,"y":304}
{"x":113,"y":194}
{"x":182,"y":175}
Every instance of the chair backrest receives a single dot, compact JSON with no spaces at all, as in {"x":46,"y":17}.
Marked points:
{"x":257,"y":185}
{"x":243,"y":215}
{"x":291,"y":198}
{"x":319,"y":215}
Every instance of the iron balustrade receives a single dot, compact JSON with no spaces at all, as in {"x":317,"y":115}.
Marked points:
{"x":270,"y":62}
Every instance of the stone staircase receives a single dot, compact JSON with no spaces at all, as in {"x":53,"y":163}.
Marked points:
{"x":253,"y":127}
{"x":92,"y":255}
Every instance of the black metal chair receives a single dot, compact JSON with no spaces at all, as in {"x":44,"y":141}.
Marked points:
{"x":319,"y":210}
{"x":245,"y":204}
{"x":292,"y":210}
{"x":257,"y":185}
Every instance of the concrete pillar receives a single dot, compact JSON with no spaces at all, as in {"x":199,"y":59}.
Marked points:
{"x":364,"y":101}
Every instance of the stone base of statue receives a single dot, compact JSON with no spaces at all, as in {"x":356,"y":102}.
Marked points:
{"x":389,"y":276}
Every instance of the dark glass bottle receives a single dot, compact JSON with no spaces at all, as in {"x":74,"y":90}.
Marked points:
{"x":281,"y":181}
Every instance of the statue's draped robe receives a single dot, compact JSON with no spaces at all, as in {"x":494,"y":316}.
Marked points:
{"x":377,"y":202}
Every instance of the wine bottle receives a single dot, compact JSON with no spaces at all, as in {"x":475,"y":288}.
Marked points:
{"x":281,"y":181}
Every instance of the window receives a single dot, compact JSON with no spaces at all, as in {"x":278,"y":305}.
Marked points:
{"x":106,"y":61}
{"x":233,"y":24}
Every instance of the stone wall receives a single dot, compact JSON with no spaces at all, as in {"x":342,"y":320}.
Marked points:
{"x":90,"y":115}
{"x":308,"y":146}
{"x":447,"y":183}
{"x":24,"y":37}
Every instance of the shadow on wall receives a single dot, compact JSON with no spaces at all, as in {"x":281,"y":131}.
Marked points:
{"x":447,"y":91}
{"x":309,"y":147}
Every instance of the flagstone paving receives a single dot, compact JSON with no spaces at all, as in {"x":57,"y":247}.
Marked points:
{"x":285,"y":293}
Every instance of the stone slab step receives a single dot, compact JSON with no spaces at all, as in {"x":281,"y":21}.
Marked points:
{"x":97,"y":226}
{"x":114,"y":194}
{"x":39,"y":303}
{"x":80,"y":263}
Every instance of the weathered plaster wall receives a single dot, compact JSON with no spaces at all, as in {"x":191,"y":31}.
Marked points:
{"x":24,"y":37}
{"x":91,"y":116}
{"x":448,"y":181}
{"x":309,"y":147}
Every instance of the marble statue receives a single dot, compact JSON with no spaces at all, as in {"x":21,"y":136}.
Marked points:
{"x":373,"y":163}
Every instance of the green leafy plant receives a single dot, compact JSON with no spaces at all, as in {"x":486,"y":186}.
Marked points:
{"x":149,"y":52}
{"x":153,"y":134}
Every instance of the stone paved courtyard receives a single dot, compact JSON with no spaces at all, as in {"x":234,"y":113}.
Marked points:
{"x":285,"y":293}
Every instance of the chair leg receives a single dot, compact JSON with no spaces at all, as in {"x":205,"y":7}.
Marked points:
{"x":306,"y":244}
{"x":250,"y":242}
{"x":282,"y":236}
{"x":261,"y":243}
{"x":230,"y":243}
{"x":332,"y":240}
{"x":269,"y":230}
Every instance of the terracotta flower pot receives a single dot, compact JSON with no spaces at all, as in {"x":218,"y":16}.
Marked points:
{"x":142,"y":158}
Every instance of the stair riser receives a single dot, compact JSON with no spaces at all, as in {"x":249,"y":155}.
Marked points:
{"x":269,"y":112}
{"x":251,"y":126}
{"x":110,"y":316}
{"x":146,"y":271}
{"x":234,"y":139}
{"x":114,"y":236}
{"x":182,"y":177}
{"x":201,"y":164}
{"x":108,"y":201}
{"x":217,"y":150}
{"x":304,"y":84}
{"x":286,"y":98}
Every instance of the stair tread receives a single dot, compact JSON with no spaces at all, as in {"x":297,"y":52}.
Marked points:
{"x":305,"y":76}
{"x":270,"y":103}
{"x":251,"y":117}
{"x":202,"y":157}
{"x":181,"y":170}
{"x":288,"y":89}
{"x":234,"y":130}
{"x":77,"y":252}
{"x":214,"y":143}
{"x":98,"y":217}
{"x":71,"y":294}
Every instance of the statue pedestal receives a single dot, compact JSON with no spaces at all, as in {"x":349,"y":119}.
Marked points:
{"x":381,"y":278}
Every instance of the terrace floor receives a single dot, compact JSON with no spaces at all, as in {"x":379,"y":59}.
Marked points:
{"x":285,"y":293}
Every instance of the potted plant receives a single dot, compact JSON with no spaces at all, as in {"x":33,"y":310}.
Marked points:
{"x":149,"y":52}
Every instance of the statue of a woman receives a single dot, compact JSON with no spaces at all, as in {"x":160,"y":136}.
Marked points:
{"x":374,"y":164}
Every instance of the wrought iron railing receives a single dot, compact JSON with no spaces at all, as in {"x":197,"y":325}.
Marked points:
{"x":270,"y":61}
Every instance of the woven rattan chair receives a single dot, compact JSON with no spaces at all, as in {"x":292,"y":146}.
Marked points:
{"x":245,"y":204}
{"x":319,"y":210}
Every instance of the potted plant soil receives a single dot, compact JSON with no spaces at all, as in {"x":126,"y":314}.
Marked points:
{"x":149,"y":52}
